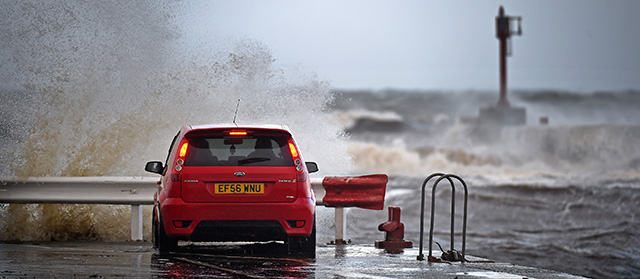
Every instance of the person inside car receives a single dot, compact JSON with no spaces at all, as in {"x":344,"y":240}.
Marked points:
{"x":263,"y":149}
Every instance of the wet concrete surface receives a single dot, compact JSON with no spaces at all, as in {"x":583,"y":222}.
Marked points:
{"x":264,"y":260}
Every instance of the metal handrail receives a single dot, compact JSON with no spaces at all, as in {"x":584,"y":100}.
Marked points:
{"x":464,"y":224}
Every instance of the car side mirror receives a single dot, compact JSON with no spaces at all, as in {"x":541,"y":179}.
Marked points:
{"x":311,"y":167}
{"x":154,"y":167}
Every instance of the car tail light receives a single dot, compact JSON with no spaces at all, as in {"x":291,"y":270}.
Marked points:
{"x":296,"y":223}
{"x":174,"y":188}
{"x":181,"y":223}
{"x":294,"y":151}
{"x":183,"y":150}
{"x":175,"y":174}
{"x":302,"y":177}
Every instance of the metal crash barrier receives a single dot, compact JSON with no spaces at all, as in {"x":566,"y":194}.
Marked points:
{"x":134,"y":191}
{"x":138,"y":191}
{"x":366,"y":192}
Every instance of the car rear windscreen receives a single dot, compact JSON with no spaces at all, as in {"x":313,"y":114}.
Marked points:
{"x":250,"y":150}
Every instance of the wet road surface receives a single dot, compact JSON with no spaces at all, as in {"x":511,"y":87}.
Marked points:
{"x":265,"y":260}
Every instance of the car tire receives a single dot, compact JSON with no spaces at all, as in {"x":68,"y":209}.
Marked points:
{"x":164,"y":243}
{"x":303,"y":246}
{"x":154,"y":228}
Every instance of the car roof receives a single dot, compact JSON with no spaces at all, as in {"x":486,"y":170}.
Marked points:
{"x":237,"y":126}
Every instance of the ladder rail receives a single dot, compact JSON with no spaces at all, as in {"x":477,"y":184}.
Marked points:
{"x":448,"y":177}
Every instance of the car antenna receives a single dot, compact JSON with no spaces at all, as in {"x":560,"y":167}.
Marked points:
{"x":236,"y":114}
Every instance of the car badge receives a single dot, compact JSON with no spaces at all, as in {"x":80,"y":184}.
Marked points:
{"x":239,"y":173}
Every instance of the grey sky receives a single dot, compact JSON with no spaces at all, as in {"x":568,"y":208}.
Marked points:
{"x":573,"y":44}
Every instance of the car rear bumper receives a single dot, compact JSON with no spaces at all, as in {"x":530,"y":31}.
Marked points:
{"x":235,"y":221}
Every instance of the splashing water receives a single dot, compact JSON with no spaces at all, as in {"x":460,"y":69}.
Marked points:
{"x":592,"y":141}
{"x":107,"y":85}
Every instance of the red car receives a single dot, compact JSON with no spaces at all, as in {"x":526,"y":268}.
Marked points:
{"x":234,"y":183}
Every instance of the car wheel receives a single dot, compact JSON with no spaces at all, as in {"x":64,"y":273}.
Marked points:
{"x":303,"y":246}
{"x":154,"y":228}
{"x":164,"y":243}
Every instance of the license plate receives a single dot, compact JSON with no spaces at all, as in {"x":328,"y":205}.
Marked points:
{"x":239,"y":188}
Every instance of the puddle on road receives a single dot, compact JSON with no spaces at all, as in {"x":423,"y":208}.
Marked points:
{"x":261,"y":260}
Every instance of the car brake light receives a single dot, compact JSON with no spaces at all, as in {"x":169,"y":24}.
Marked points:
{"x":294,"y":151}
{"x":238,"y":133}
{"x":175,"y":176}
{"x":302,"y":177}
{"x":183,"y":150}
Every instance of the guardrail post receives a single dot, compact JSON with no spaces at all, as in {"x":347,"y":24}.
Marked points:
{"x":341,"y":223}
{"x":136,"y":222}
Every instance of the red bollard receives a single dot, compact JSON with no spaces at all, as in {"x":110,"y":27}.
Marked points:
{"x":394,"y":233}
